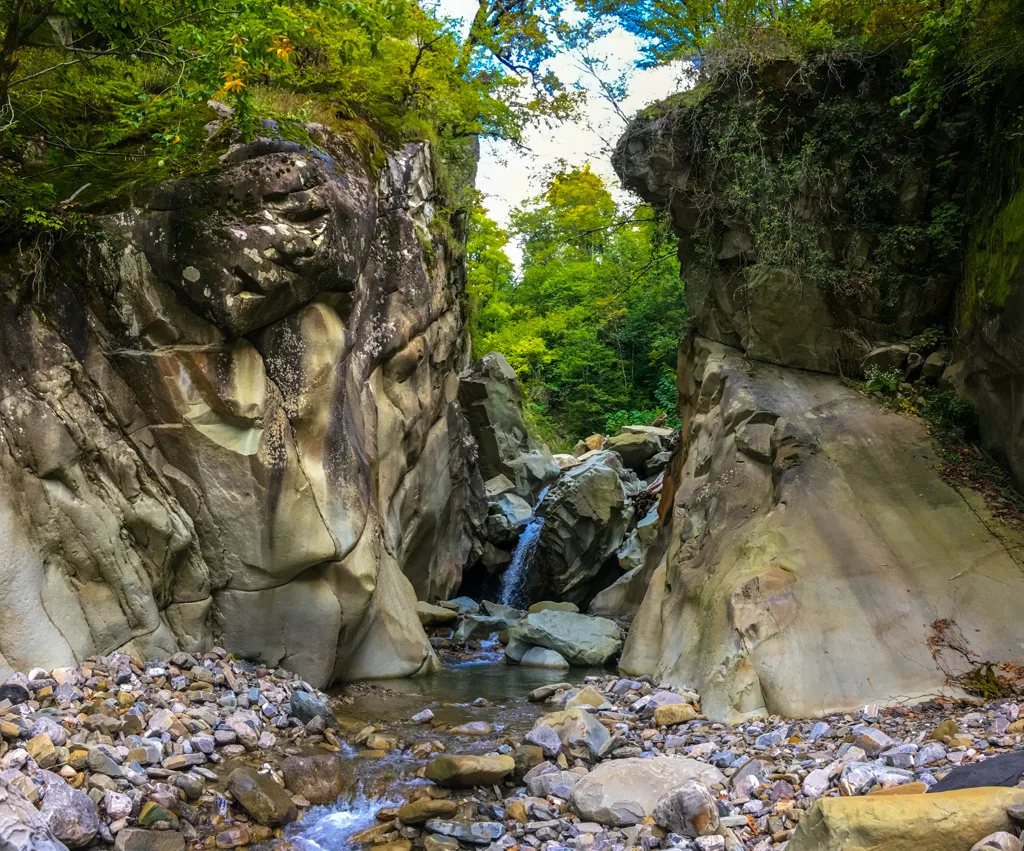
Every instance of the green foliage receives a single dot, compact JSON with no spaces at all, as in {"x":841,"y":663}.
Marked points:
{"x":952,"y":419}
{"x":115,"y":92}
{"x":592,"y":323}
{"x":879,"y":381}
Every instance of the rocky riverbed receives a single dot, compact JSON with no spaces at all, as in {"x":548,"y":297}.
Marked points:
{"x":208,"y":751}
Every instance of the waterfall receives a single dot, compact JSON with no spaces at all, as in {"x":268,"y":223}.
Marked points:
{"x":514,"y":580}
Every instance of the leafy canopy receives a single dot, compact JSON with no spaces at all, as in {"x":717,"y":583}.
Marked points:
{"x":592,"y":322}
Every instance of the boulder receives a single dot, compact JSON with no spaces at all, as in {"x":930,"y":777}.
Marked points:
{"x":141,"y":839}
{"x":949,"y":821}
{"x":430,"y":615}
{"x":464,"y":605}
{"x":634,"y":549}
{"x":306,"y":707}
{"x":580,"y":639}
{"x":532,"y":472}
{"x":480,"y":626}
{"x":418,"y":812}
{"x":634,"y":449}
{"x":490,"y":395}
{"x":505,"y":514}
{"x":626,"y":791}
{"x":541,"y":657}
{"x":544,"y":605}
{"x":934,"y":366}
{"x":999,"y":841}
{"x":473,"y":832}
{"x":22,"y":828}
{"x":70,"y":814}
{"x":886,"y":358}
{"x":812,"y":552}
{"x":674,"y":713}
{"x":658,"y":431}
{"x":318,"y":778}
{"x":263,"y":798}
{"x":691,"y":810}
{"x":577,"y":727}
{"x":463,"y":771}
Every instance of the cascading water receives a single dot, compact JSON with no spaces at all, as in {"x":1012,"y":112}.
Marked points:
{"x":514,"y":580}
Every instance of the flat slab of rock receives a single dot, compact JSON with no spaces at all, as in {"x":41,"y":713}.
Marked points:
{"x":474,"y":832}
{"x":625,"y":791}
{"x":947,"y":821}
{"x":431,"y":615}
{"x":580,"y":639}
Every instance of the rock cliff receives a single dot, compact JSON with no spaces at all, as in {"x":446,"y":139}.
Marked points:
{"x":229,"y":415}
{"x":809,"y":547}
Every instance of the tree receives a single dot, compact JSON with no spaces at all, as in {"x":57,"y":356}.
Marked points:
{"x":592,"y":324}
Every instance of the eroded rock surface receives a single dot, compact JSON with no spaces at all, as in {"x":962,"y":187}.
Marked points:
{"x":812,"y":546}
{"x":234,"y":418}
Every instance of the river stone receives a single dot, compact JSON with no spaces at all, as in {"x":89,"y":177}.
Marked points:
{"x":140,"y":839}
{"x":473,"y":728}
{"x":318,"y":778}
{"x":425,"y":809}
{"x":70,"y":814}
{"x":261,"y":797}
{"x":541,"y":657}
{"x":475,"y":832}
{"x":558,"y":784}
{"x":674,"y":713}
{"x":22,"y":828}
{"x":546,"y":738}
{"x":306,"y":707}
{"x":467,"y":770}
{"x":14,"y":692}
{"x":434,"y":615}
{"x":577,"y":726}
{"x":947,"y":821}
{"x":690,"y":810}
{"x":548,"y":605}
{"x":580,"y":639}
{"x":480,"y":626}
{"x":625,"y":791}
{"x":1000,"y":841}
{"x":1002,"y":770}
{"x":465,"y":605}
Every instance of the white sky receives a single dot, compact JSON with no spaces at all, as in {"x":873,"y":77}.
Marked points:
{"x":508,"y":176}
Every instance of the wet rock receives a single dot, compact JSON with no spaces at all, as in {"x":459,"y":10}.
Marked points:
{"x":306,"y":707}
{"x":580,"y":639}
{"x":906,"y":823}
{"x":468,"y":770}
{"x":319,"y":778}
{"x":690,"y":810}
{"x":473,"y":832}
{"x":423,"y":810}
{"x":480,"y":626}
{"x":624,"y":792}
{"x":261,"y":797}
{"x":542,"y":657}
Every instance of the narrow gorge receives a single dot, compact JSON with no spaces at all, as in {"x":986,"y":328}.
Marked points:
{"x":288,"y":562}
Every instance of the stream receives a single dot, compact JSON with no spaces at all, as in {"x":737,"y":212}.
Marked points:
{"x":450,"y":695}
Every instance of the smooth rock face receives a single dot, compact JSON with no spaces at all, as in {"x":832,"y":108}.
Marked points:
{"x":492,"y":400}
{"x":579,"y":639}
{"x":846,"y":538}
{"x":626,"y":791}
{"x":241,"y":425}
{"x":541,"y":657}
{"x":950,"y":821}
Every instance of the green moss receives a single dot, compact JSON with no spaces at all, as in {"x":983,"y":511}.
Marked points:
{"x":993,"y":258}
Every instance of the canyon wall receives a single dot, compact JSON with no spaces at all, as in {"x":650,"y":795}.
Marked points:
{"x":811,"y":552}
{"x":229,"y":414}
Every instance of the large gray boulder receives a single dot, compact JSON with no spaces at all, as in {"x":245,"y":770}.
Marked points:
{"x":587,"y":516}
{"x":626,"y":791}
{"x":490,"y":395}
{"x":834,"y":538}
{"x":634,"y":448}
{"x":580,"y":639}
{"x":243,"y":424}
